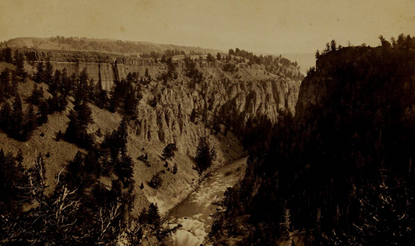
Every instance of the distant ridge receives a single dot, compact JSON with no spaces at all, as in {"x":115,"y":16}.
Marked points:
{"x":101,"y":45}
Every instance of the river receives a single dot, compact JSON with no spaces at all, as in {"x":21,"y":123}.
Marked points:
{"x":195,"y":212}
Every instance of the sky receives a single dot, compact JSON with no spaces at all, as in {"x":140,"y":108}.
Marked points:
{"x":261,"y":26}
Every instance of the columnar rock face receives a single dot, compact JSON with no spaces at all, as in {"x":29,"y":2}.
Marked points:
{"x":169,"y":122}
{"x":109,"y":66}
{"x":251,"y":92}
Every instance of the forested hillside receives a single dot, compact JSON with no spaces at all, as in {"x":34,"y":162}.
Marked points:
{"x":109,"y":46}
{"x":84,"y":163}
{"x":340,"y":172}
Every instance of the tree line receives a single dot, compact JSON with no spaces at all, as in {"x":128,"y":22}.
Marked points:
{"x":340,"y":171}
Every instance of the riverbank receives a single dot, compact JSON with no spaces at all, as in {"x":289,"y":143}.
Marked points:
{"x":194,"y":213}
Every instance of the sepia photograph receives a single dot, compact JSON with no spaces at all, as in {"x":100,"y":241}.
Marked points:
{"x":207,"y":122}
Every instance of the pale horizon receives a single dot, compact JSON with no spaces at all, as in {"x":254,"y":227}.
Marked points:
{"x":266,"y":27}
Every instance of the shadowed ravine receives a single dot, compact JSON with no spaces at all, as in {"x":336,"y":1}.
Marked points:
{"x":195,"y":212}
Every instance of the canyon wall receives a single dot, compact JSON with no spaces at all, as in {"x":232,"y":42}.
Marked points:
{"x":251,"y":91}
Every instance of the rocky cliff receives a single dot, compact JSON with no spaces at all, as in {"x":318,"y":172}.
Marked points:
{"x":251,"y":91}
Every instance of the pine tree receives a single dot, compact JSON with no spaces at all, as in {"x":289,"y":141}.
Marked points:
{"x":91,"y":90}
{"x":36,"y":96}
{"x":81,"y":93}
{"x":168,"y":151}
{"x":124,"y":169}
{"x":5,"y":86}
{"x":75,"y":177}
{"x":6,"y":54}
{"x":62,"y":102}
{"x":122,"y":134}
{"x":100,"y":95}
{"x":74,"y":130}
{"x":65,"y":86}
{"x":333,"y":45}
{"x":131,"y":103}
{"x":12,"y":177}
{"x":84,"y":114}
{"x":44,"y":111}
{"x":55,"y":82}
{"x":40,"y":74}
{"x":5,"y":116}
{"x":142,"y":218}
{"x":14,"y":84}
{"x":114,"y":101}
{"x":20,"y":65}
{"x":153,"y":216}
{"x":204,"y":155}
{"x":29,"y":123}
{"x":48,"y":71}
{"x":17,"y":117}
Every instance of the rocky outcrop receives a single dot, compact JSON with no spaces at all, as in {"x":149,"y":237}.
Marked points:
{"x":252,"y":92}
{"x":109,"y":66}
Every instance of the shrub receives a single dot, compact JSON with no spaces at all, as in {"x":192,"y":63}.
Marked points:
{"x":156,"y":181}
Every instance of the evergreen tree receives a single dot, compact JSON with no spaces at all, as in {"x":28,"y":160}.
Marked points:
{"x":124,"y":169}
{"x":48,"y":74}
{"x":65,"y":86}
{"x":5,"y":87}
{"x":44,"y":111}
{"x":204,"y":155}
{"x":122,"y":134}
{"x":142,"y":218}
{"x":55,"y":82}
{"x":6,"y":55}
{"x":5,"y":117}
{"x":333,"y":45}
{"x":99,"y":97}
{"x":114,"y":101}
{"x":130,"y":102}
{"x":17,"y":117}
{"x":76,"y":176}
{"x":81,"y":93}
{"x":76,"y":132}
{"x":14,"y":84}
{"x":153,"y":216}
{"x":175,"y":169}
{"x":19,"y":62}
{"x":40,"y":73}
{"x":210,"y":58}
{"x":62,"y":102}
{"x":168,"y":151}
{"x":218,"y":57}
{"x":29,"y":123}
{"x":36,"y":96}
{"x":84,"y":114}
{"x":12,"y":177}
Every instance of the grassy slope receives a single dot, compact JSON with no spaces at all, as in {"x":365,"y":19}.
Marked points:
{"x":174,"y":188}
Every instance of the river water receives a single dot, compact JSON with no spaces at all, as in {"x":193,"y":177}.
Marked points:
{"x":195,"y":212}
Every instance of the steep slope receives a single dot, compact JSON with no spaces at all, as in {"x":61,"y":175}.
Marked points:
{"x":248,"y":92}
{"x":340,"y":172}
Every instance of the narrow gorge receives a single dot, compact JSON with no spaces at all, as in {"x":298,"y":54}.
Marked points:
{"x":203,"y":99}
